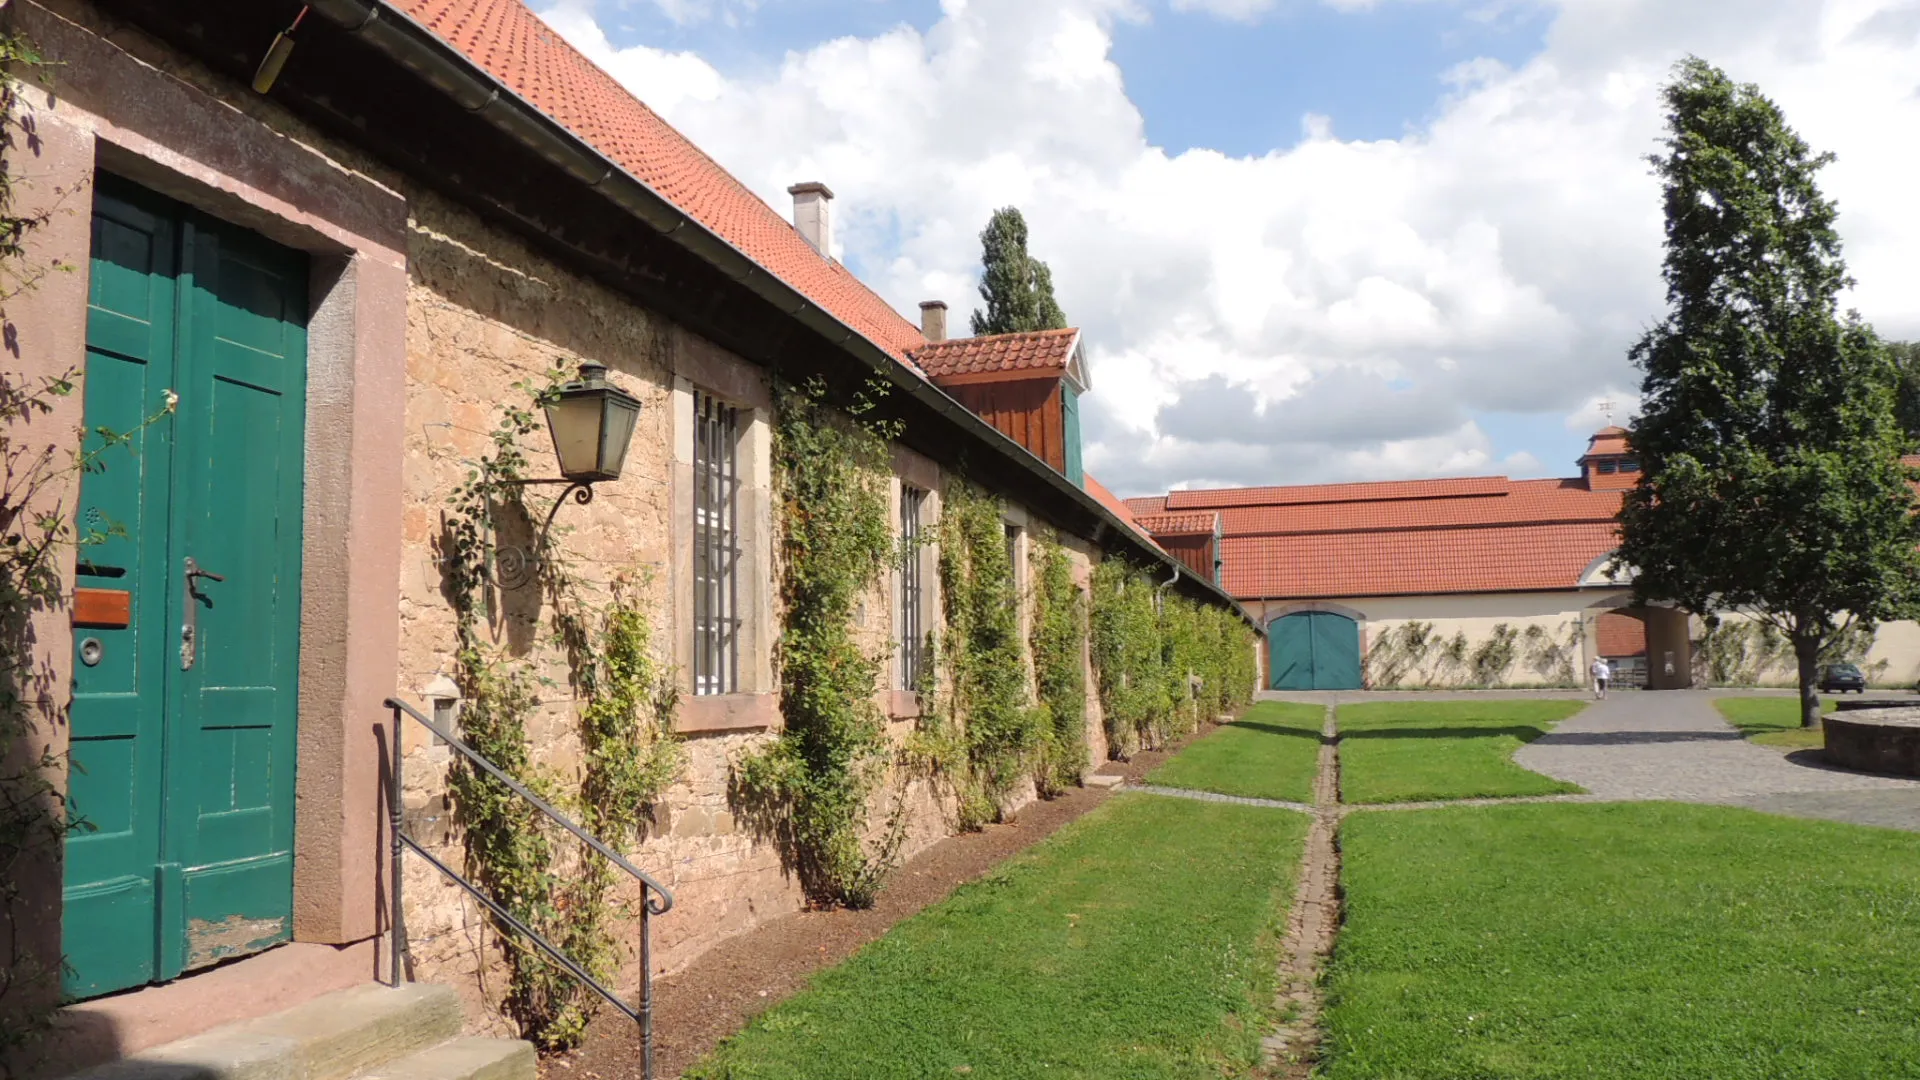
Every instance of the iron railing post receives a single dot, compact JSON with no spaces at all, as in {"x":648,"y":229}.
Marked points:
{"x":396,"y":931}
{"x":646,"y":983}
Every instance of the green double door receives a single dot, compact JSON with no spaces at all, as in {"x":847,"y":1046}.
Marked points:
{"x":1314,"y":650}
{"x":187,"y":599}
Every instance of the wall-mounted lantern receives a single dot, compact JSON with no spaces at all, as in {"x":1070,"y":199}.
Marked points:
{"x":591,"y":422}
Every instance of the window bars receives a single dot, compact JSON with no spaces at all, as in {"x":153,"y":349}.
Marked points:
{"x":913,"y":647}
{"x":716,"y":546}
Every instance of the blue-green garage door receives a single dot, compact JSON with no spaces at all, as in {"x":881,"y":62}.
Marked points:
{"x":1315,"y":650}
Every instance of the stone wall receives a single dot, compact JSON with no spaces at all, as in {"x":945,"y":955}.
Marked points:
{"x":485,"y":313}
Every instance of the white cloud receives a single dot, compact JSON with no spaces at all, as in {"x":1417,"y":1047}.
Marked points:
{"x":1500,"y":258}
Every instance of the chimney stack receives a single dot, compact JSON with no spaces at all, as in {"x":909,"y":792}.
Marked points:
{"x":933,"y":320}
{"x":813,"y":215}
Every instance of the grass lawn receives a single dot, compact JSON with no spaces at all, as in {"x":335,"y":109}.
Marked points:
{"x":1404,"y":751}
{"x":1138,"y":942}
{"x":1270,"y":753}
{"x":1658,"y":941}
{"x":1774,"y":721}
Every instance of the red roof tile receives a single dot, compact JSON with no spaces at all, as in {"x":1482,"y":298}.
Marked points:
{"x":1114,"y":503}
{"x":1333,"y":493}
{"x":1609,"y":440}
{"x":1334,"y":565}
{"x":509,"y":41}
{"x":1037,"y":351}
{"x":1522,"y":502}
{"x":1180,"y":524}
{"x":1147,"y":504}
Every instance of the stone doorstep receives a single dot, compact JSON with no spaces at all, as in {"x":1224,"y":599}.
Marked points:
{"x":410,"y":1033}
{"x":1105,"y":780}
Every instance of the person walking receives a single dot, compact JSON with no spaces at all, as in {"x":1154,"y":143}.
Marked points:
{"x":1601,"y":673}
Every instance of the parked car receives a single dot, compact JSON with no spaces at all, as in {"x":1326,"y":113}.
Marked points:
{"x":1840,"y":678}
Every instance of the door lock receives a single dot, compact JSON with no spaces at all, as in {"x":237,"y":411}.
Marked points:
{"x":189,"y":648}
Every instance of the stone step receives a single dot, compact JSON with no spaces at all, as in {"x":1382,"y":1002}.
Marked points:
{"x":332,"y":1037}
{"x":469,"y":1057}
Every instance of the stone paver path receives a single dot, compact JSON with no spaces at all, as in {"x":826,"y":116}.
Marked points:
{"x":1674,"y":745}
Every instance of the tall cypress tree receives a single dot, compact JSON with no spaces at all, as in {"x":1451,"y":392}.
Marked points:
{"x":1771,"y":480}
{"x":1017,"y":287}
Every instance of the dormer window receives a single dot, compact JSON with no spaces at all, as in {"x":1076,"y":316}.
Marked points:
{"x":1629,"y":465}
{"x":1605,"y":468}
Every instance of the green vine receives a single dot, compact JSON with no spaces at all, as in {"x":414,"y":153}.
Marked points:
{"x":40,"y":474}
{"x":625,"y":725}
{"x":988,"y":713}
{"x":1059,"y":641}
{"x":1163,"y":663}
{"x":1411,"y":655}
{"x":812,"y":785}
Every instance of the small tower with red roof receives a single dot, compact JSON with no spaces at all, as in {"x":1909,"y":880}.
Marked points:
{"x":1609,"y":463}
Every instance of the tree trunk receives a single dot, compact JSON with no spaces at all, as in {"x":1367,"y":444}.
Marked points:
{"x":1806,"y":650}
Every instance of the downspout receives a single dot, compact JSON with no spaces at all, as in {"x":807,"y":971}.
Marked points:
{"x":441,"y":65}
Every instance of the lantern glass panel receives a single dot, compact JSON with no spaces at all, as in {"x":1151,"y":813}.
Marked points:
{"x":574,"y":422}
{"x":618,"y":415}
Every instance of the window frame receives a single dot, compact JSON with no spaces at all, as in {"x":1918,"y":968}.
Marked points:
{"x":910,"y":629}
{"x":717,"y":617}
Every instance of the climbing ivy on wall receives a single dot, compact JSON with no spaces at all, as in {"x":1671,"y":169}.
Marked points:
{"x":1163,"y":663}
{"x":813,"y":784}
{"x":987,"y":712}
{"x":1411,"y":654}
{"x":1741,"y":652}
{"x":1059,"y":641}
{"x":40,"y":472}
{"x":625,"y":719}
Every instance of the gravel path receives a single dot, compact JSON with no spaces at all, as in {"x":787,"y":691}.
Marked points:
{"x":1674,"y":745}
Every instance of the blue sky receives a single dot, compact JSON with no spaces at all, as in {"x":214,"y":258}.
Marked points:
{"x":1442,"y":278}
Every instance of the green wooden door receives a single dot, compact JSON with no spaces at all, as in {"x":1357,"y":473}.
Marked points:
{"x":183,"y":743}
{"x":1314,"y":650}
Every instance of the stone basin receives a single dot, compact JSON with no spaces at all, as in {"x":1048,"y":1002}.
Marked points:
{"x":1875,"y":740}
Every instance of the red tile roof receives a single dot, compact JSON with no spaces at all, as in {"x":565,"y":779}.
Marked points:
{"x":1330,"y":493}
{"x":1147,"y":504}
{"x":509,"y":41}
{"x":1405,"y":562}
{"x":1473,"y":534}
{"x":1181,"y":524}
{"x":1038,"y":351}
{"x":1519,"y":502}
{"x":1609,"y":440}
{"x":1114,"y":503}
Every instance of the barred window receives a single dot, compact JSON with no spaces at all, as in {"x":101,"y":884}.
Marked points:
{"x":913,"y":644}
{"x":716,"y":546}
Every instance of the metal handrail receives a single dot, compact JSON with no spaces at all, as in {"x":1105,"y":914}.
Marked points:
{"x":656,"y":899}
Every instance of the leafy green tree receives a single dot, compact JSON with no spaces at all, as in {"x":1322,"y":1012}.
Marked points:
{"x":1017,"y":287}
{"x":1771,"y":481}
{"x":1906,"y":362}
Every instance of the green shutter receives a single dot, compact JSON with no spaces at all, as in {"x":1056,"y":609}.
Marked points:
{"x":1070,"y":407}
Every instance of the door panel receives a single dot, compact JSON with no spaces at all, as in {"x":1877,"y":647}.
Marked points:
{"x":1336,"y":652}
{"x":237,"y":515}
{"x":188,"y":766}
{"x":1291,"y":648}
{"x":117,"y":730}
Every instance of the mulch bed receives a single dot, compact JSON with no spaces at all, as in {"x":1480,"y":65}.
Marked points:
{"x":736,"y":980}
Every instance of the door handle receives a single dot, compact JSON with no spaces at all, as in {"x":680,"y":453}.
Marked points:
{"x":189,"y":629}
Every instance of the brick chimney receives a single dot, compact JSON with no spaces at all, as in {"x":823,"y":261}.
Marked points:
{"x":933,"y":320}
{"x":813,"y":214}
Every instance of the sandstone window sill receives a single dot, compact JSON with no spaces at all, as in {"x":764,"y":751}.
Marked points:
{"x":715,"y":713}
{"x":901,"y":704}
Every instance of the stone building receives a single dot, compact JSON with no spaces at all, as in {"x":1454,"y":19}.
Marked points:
{"x":310,"y":308}
{"x":1471,"y":581}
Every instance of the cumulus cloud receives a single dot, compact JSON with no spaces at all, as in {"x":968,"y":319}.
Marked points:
{"x":1332,"y":309}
